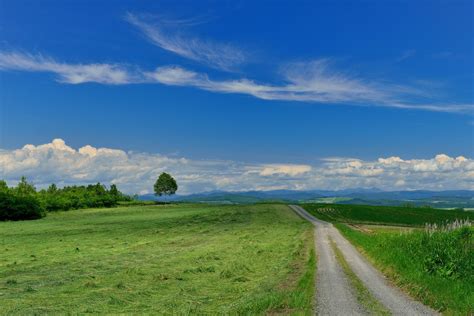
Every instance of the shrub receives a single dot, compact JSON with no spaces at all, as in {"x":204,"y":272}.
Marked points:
{"x":77,"y":197}
{"x":23,"y":202}
{"x":14,"y":206}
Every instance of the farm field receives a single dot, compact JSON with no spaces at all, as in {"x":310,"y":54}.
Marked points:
{"x":142,"y":259}
{"x":384,"y":215}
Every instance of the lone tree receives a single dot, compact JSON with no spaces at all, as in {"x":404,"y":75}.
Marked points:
{"x":165,"y":185}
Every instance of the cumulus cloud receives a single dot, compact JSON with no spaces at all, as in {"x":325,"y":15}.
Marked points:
{"x":285,"y":169}
{"x":135,"y":172}
{"x":67,"y":73}
{"x":167,"y":34}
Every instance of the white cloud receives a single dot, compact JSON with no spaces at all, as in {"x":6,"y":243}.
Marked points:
{"x":307,"y":82}
{"x":314,"y":82}
{"x":168,"y":35}
{"x":135,"y":172}
{"x":400,"y":183}
{"x":285,"y":169}
{"x":67,"y":73}
{"x":406,"y":54}
{"x":311,"y":82}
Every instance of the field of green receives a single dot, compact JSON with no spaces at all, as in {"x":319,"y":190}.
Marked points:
{"x":384,"y":215}
{"x":179,"y":259}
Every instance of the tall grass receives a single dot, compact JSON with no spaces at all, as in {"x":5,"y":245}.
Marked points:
{"x":435,"y":264}
{"x":448,"y":249}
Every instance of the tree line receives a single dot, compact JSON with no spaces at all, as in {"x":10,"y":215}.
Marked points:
{"x":25,"y":202}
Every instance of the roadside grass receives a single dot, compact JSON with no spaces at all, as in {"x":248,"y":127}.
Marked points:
{"x":435,"y":267}
{"x":167,"y":259}
{"x":364,"y":297}
{"x":384,"y":215}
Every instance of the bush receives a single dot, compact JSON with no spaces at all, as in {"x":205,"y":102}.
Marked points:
{"x":14,"y":206}
{"x":77,"y":197}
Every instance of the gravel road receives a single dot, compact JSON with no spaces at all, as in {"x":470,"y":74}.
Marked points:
{"x":334,"y":295}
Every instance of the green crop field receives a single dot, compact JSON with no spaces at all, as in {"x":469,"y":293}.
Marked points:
{"x":384,"y":215}
{"x":155,"y":259}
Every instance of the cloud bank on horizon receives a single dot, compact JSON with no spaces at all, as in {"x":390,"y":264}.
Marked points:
{"x":135,"y":172}
{"x":315,"y":81}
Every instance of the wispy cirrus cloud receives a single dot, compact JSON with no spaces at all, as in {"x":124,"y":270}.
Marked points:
{"x":406,"y":54}
{"x":168,"y":35}
{"x":135,"y":172}
{"x":315,"y":82}
{"x":312,"y":82}
{"x":67,"y":73}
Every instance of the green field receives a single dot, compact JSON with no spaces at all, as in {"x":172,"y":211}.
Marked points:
{"x":147,"y":259}
{"x":384,"y":215}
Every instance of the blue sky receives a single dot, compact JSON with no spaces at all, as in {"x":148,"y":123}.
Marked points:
{"x":254,"y":83}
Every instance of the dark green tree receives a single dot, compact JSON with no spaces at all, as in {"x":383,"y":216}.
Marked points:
{"x":165,"y":185}
{"x":3,"y":186}
{"x":25,"y":188}
{"x":19,"y":203}
{"x":114,"y":191}
{"x":52,"y":189}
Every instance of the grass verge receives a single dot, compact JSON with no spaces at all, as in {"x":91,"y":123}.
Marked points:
{"x":364,"y":297}
{"x":437,"y":268}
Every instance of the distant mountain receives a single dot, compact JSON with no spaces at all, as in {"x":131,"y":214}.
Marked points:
{"x":413,"y":195}
{"x":439,"y":199}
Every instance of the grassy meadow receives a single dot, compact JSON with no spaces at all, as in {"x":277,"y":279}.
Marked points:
{"x":169,"y":259}
{"x":384,"y":215}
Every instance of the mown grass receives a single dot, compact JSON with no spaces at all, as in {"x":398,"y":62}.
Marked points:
{"x":178,"y":259}
{"x":384,"y":215}
{"x":437,"y":268}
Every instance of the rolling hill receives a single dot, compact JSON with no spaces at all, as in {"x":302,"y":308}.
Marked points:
{"x":437,"y":199}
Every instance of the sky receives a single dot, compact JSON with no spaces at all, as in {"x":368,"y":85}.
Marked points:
{"x":238,"y":95}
